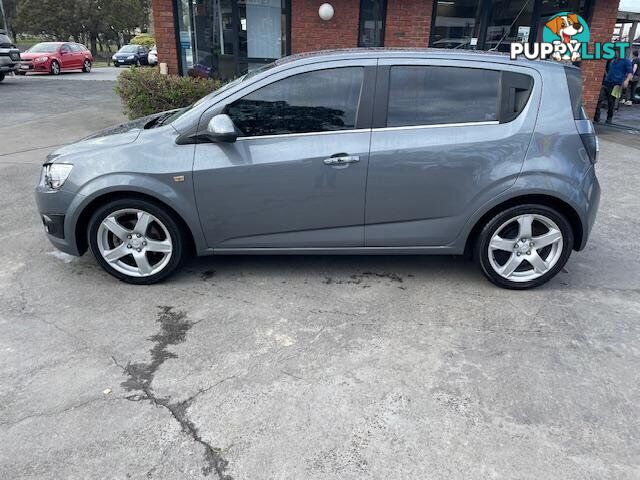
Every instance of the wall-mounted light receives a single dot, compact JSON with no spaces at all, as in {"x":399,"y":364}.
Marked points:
{"x":326,"y":12}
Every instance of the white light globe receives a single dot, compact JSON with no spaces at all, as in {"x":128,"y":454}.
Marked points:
{"x":326,"y":11}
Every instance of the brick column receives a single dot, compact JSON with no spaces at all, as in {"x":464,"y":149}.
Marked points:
{"x":603,"y":19}
{"x":408,"y":23}
{"x":165,"y":34}
{"x":309,"y":32}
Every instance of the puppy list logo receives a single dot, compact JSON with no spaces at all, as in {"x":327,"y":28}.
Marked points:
{"x":566,"y":37}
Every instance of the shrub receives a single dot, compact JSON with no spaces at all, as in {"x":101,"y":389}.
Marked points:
{"x":145,"y":91}
{"x":145,"y":39}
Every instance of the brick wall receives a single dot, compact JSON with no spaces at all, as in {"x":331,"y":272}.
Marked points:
{"x":165,"y":33}
{"x":309,"y":32}
{"x":408,"y":23}
{"x":603,"y":19}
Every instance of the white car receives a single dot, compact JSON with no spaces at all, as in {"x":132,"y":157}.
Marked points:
{"x":153,"y":56}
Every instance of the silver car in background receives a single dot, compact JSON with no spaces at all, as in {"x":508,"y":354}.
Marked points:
{"x":342,"y":152}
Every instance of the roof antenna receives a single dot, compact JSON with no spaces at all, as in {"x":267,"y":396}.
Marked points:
{"x":509,"y":29}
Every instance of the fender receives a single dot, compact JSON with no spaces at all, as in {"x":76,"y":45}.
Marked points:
{"x":176,"y":195}
{"x":531,"y":183}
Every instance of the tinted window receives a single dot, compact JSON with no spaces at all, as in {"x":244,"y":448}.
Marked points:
{"x":318,"y":101}
{"x":433,"y":95}
{"x":74,"y":47}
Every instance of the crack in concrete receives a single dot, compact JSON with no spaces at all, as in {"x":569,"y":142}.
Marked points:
{"x":62,"y":411}
{"x":174,"y":328}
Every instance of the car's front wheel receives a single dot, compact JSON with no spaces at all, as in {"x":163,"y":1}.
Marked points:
{"x":136,"y":241}
{"x":55,"y":68}
{"x":1,"y":76}
{"x":524,"y":246}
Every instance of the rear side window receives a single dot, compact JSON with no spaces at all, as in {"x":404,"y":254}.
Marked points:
{"x":432,"y":95}
{"x":319,"y":101}
{"x":574,"y":82}
{"x":74,"y":47}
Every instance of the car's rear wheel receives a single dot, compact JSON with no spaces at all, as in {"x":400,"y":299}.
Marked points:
{"x":86,"y":66}
{"x":136,"y":241}
{"x":1,"y":76}
{"x":524,"y":246}
{"x":55,"y":68}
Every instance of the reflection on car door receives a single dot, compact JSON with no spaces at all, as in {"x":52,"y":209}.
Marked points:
{"x":296,"y":177}
{"x":447,"y":141}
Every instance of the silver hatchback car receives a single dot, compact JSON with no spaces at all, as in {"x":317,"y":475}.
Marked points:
{"x":342,"y":152}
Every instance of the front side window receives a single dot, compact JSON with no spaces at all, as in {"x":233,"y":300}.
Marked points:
{"x":319,"y":101}
{"x":431,"y":95}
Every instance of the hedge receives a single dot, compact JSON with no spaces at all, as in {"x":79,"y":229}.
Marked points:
{"x":145,"y":91}
{"x":144,"y":39}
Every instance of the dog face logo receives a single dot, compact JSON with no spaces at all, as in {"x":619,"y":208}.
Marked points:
{"x":568,"y":29}
{"x":565,"y":26}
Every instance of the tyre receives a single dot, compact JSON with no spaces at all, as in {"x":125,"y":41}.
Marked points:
{"x":136,"y":241}
{"x":55,"y":68}
{"x":1,"y":76}
{"x":524,"y":246}
{"x":138,"y":64}
{"x":116,"y":64}
{"x":86,"y":66}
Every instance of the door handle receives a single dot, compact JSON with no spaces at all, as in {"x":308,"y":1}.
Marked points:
{"x":341,"y":159}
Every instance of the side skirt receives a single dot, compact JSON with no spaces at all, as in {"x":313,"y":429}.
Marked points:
{"x":446,"y":250}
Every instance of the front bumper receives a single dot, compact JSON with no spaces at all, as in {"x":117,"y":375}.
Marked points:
{"x":29,"y":66}
{"x":53,"y":207}
{"x":125,"y":62}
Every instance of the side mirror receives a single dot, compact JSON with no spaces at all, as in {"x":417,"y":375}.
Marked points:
{"x":221,"y":129}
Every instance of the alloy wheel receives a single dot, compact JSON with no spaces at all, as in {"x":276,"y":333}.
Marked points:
{"x":134,"y":242}
{"x":87,"y":66}
{"x":525,"y":247}
{"x":55,"y":68}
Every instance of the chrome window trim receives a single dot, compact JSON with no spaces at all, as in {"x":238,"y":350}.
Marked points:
{"x":382,"y":129}
{"x":329,"y":132}
{"x":435,"y":125}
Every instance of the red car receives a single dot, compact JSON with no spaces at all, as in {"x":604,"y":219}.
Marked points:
{"x":55,"y":57}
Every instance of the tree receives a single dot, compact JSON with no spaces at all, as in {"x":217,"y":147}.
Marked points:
{"x":82,"y":19}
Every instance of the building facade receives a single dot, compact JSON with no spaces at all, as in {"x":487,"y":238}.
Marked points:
{"x":224,"y":38}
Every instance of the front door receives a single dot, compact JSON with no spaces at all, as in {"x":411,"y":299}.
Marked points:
{"x":296,"y":176}
{"x":454,"y":135}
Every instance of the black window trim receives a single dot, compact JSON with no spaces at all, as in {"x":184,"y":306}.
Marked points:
{"x":364,"y":109}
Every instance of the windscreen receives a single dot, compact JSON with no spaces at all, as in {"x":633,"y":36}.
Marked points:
{"x":44,"y":48}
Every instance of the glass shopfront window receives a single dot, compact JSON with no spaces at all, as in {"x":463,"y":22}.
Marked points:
{"x":495,"y":24}
{"x":372,"y":18}
{"x":225,"y":38}
{"x":456,"y":24}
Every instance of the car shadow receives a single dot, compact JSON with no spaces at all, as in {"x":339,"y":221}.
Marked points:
{"x":332,"y":269}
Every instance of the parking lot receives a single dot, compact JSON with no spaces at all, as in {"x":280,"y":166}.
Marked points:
{"x":303,"y":367}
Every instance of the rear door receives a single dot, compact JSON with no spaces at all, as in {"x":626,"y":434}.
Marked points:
{"x":296,"y":176}
{"x":447,"y":137}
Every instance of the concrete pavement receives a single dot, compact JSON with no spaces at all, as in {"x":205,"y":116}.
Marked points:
{"x":309,"y":367}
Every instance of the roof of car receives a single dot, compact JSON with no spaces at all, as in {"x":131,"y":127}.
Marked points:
{"x":386,"y":52}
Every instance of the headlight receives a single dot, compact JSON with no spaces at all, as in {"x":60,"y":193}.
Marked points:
{"x":130,"y":57}
{"x":114,"y":58}
{"x":41,"y":59}
{"x":55,"y":174}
